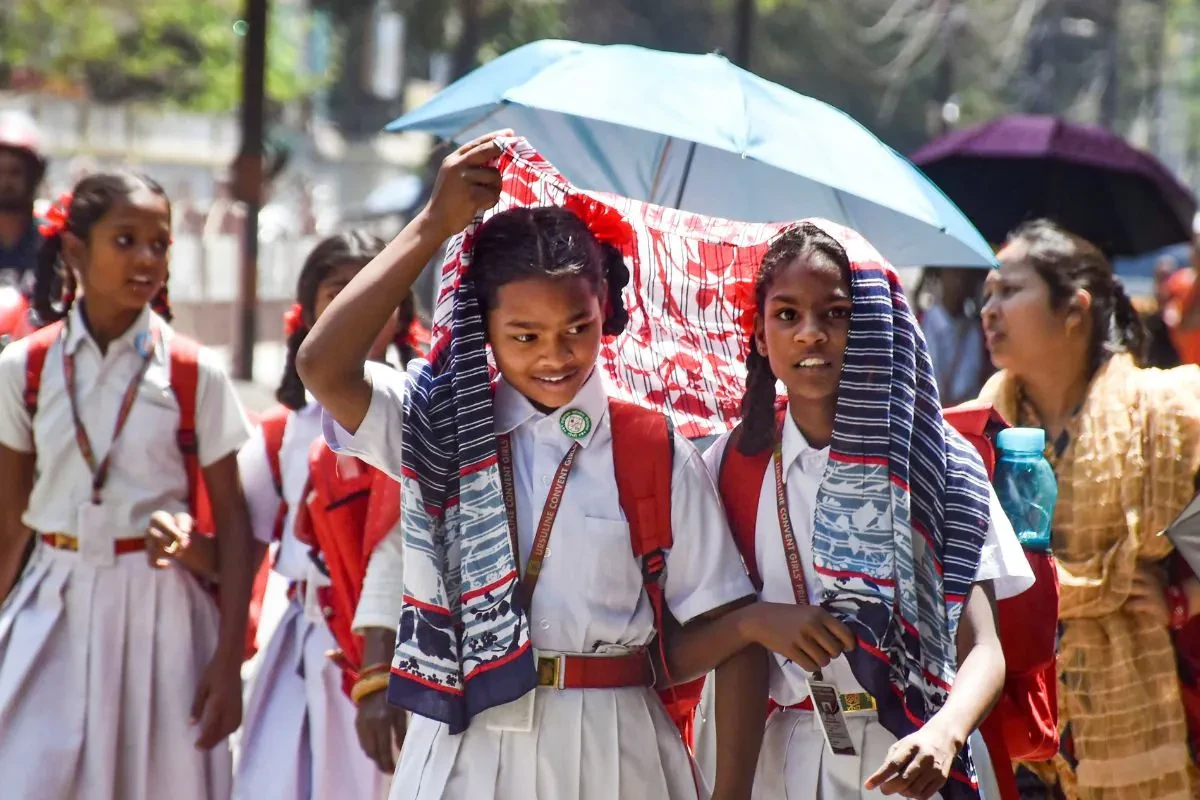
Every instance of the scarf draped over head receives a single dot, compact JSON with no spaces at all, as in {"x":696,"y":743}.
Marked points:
{"x":901,"y":514}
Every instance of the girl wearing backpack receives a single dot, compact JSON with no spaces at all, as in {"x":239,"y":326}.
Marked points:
{"x":117,"y":680}
{"x":298,"y":740}
{"x":857,"y":509}
{"x":515,"y":525}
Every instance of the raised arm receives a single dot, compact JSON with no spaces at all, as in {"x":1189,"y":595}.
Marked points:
{"x":331,"y":361}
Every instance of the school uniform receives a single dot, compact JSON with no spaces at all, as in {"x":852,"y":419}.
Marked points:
{"x":100,"y":654}
{"x":584,"y":743}
{"x":298,"y":738}
{"x":795,"y":761}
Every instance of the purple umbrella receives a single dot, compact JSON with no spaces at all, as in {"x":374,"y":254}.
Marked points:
{"x":1018,"y":167}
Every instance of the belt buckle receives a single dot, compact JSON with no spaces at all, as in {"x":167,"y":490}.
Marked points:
{"x":550,"y":671}
{"x":857,"y":703}
{"x":63,"y":541}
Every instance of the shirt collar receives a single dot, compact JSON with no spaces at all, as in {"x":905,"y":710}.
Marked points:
{"x":512,"y":409}
{"x":77,"y":332}
{"x":797,"y":449}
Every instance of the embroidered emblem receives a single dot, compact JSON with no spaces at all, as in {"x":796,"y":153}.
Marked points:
{"x":575,"y":424}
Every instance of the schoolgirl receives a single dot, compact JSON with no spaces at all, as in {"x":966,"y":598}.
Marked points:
{"x":117,"y":679}
{"x":521,"y":479}
{"x":299,"y":740}
{"x":857,"y":509}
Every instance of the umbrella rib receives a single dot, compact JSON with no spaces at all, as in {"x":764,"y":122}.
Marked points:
{"x":658,"y":169}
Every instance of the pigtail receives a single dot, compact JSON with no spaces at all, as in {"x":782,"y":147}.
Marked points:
{"x":291,"y":392}
{"x":161,"y":303}
{"x":616,"y":274}
{"x":758,"y":405}
{"x":54,"y":282}
{"x":1128,"y":329}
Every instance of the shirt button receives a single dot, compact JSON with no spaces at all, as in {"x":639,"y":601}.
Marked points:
{"x":544,"y":625}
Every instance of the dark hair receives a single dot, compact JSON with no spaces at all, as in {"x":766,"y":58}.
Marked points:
{"x":92,"y":198}
{"x":351,"y":246}
{"x":1068,"y":263}
{"x":547,"y":242}
{"x":758,"y":403}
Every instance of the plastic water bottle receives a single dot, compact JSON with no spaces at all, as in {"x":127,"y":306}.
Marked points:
{"x":1026,"y":486}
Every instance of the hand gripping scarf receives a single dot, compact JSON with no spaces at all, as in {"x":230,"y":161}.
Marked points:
{"x":902,"y":511}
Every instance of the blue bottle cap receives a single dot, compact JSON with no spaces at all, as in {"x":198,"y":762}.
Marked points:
{"x":1021,"y":440}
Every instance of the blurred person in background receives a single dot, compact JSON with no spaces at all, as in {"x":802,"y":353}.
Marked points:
{"x":22,"y":168}
{"x":950,"y":321}
{"x":1160,"y":349}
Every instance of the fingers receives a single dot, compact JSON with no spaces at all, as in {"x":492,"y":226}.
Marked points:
{"x":842,"y":632}
{"x":399,"y":728}
{"x":185,"y":524}
{"x":898,"y":757}
{"x":824,"y":638}
{"x":199,"y":701}
{"x":484,"y":143}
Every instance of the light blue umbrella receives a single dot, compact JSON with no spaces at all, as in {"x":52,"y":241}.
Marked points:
{"x":696,"y":132}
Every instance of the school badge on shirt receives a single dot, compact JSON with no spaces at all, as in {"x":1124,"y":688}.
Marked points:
{"x":144,"y":343}
{"x":575,"y":424}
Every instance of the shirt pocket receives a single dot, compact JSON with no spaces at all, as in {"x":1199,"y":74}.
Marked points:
{"x":614,"y":584}
{"x":149,"y":442}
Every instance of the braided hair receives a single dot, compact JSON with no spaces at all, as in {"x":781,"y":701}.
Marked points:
{"x":350,"y":247}
{"x":54,"y":286}
{"x":547,"y":242}
{"x":758,"y":403}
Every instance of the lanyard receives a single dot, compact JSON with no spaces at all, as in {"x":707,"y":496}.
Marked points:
{"x":790,"y":549}
{"x":99,"y":469}
{"x":549,"y":512}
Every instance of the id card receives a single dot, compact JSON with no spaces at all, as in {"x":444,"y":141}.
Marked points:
{"x":516,"y":716}
{"x":96,"y":534}
{"x":826,"y":703}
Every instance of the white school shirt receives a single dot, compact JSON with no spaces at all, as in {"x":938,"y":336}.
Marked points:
{"x":1002,"y":561}
{"x":302,"y":429}
{"x":382,"y":597}
{"x":589,"y":593}
{"x":146,"y":473}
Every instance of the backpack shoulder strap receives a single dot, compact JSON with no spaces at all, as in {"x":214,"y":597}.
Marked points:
{"x":37,"y":346}
{"x":644,"y":459}
{"x":740,"y":483}
{"x":184,"y":354}
{"x":978,"y":423}
{"x":274,"y":425}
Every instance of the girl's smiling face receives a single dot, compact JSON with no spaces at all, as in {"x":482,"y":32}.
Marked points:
{"x":545,"y":335}
{"x":804,"y":327}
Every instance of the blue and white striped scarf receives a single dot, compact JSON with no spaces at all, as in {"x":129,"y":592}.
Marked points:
{"x":902,"y":512}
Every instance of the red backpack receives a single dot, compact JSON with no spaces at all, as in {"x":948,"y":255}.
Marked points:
{"x":1024,"y":724}
{"x":349,"y":508}
{"x":184,"y":355}
{"x":643,"y":461}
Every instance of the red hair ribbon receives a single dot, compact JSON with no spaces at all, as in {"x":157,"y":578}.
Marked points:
{"x":293,"y":320}
{"x":604,"y":221}
{"x":418,"y":337}
{"x":56,"y":217}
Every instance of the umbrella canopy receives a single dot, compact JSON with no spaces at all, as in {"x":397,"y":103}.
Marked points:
{"x":1096,"y":184}
{"x":697,"y":133}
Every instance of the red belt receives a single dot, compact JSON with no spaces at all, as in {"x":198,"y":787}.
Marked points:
{"x":64,"y":541}
{"x":576,"y":671}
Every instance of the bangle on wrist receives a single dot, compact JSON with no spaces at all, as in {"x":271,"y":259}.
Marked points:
{"x":1177,"y":607}
{"x":368,"y":686}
